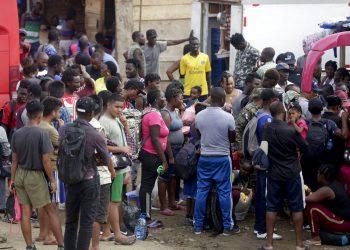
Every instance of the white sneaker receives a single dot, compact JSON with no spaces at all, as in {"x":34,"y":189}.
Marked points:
{"x":255,"y":231}
{"x":264,"y":236}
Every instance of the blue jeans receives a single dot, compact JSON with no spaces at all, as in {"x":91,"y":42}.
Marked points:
{"x":2,"y":193}
{"x":81,"y":208}
{"x":214,"y":170}
{"x":260,"y":202}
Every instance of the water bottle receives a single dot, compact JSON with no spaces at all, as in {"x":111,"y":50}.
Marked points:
{"x":141,"y":230}
{"x":344,"y":240}
{"x":329,"y":144}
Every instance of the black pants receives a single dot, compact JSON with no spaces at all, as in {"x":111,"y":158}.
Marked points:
{"x":150,"y":163}
{"x":81,"y":206}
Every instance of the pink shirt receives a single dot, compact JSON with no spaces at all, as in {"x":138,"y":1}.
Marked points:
{"x":302,"y":124}
{"x":152,"y":119}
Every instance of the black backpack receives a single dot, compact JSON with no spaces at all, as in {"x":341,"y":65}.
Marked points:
{"x":186,"y":161}
{"x":317,"y":137}
{"x":71,"y":161}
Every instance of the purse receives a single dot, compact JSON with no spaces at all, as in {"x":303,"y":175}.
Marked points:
{"x":119,"y":160}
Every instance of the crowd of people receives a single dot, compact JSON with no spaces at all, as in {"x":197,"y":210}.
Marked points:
{"x":257,"y":123}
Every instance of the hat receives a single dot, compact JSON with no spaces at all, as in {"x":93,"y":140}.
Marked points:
{"x":267,"y":94}
{"x":333,"y":100}
{"x":282,"y":66}
{"x":315,"y":106}
{"x":151,"y":33}
{"x":289,"y":58}
{"x":256,"y":92}
{"x":344,"y":97}
{"x":135,"y":84}
{"x":85,"y":105}
{"x":23,"y":31}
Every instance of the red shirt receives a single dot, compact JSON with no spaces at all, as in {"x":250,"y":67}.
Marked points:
{"x":69,"y":102}
{"x":24,"y":52}
{"x":6,"y":117}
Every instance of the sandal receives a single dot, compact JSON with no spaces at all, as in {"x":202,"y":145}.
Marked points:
{"x":108,"y":238}
{"x":167,"y":212}
{"x":312,"y":242}
{"x":50,"y":243}
{"x":178,"y":207}
{"x":129,"y":241}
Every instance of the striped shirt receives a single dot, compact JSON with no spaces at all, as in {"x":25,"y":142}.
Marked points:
{"x":32,"y":26}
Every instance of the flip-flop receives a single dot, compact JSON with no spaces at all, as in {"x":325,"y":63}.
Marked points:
{"x":178,"y":207}
{"x":167,"y":212}
{"x":155,"y":224}
{"x":129,"y":241}
{"x":312,"y":242}
{"x":109,"y":238}
{"x":50,"y":243}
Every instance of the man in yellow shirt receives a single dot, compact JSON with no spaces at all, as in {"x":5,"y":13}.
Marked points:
{"x":195,"y":67}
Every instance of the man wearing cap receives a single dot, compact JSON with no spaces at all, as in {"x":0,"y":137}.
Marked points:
{"x":283,"y":70}
{"x":267,"y":59}
{"x":246,"y":114}
{"x":294,"y":72}
{"x":82,"y":200}
{"x":305,"y":97}
{"x":267,"y":96}
{"x":336,"y":113}
{"x":153,"y":48}
{"x":24,"y":46}
{"x":246,"y":59}
{"x":195,"y":67}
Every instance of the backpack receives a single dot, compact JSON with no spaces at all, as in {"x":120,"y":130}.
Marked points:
{"x":249,"y":139}
{"x":317,"y":137}
{"x":71,"y":159}
{"x":186,"y":161}
{"x":133,"y":117}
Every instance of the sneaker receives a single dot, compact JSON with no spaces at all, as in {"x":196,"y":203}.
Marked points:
{"x":188,"y":222}
{"x":123,"y":230}
{"x":33,"y":247}
{"x":307,"y":228}
{"x":197,"y":231}
{"x":234,"y":230}
{"x":264,"y":236}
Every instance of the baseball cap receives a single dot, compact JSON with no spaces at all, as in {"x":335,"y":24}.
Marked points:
{"x":23,"y":31}
{"x":267,"y":94}
{"x":151,"y":33}
{"x":289,"y":58}
{"x":333,"y":100}
{"x":315,"y":106}
{"x":85,"y":105}
{"x":135,"y":84}
{"x":282,"y":66}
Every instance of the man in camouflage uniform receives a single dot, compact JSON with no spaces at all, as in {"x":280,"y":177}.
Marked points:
{"x":246,"y":114}
{"x":246,"y":59}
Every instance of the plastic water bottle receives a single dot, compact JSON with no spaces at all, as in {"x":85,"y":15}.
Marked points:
{"x":329,"y":144}
{"x":141,"y":231}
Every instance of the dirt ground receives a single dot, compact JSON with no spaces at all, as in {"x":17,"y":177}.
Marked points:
{"x":176,"y":236}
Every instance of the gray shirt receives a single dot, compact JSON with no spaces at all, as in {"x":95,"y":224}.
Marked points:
{"x":131,"y":51}
{"x":152,"y":56}
{"x":108,"y":58}
{"x":236,"y":105}
{"x":214,"y":124}
{"x":30,"y":144}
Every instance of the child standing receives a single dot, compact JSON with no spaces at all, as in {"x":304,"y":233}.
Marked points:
{"x":295,"y":120}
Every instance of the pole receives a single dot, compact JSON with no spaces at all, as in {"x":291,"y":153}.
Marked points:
{"x":140,"y":17}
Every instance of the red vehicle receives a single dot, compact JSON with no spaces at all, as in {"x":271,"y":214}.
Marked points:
{"x":318,"y":49}
{"x":9,"y":50}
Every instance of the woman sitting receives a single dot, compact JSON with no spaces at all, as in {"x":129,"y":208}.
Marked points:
{"x":329,"y":207}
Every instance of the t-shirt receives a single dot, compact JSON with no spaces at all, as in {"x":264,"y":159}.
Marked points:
{"x":94,"y":73}
{"x":6,"y":118}
{"x":214,"y":135}
{"x":301,"y":123}
{"x":114,"y":130}
{"x":263,"y":68}
{"x":152,"y":56}
{"x":100,"y":85}
{"x":194,"y":69}
{"x":69,"y":102}
{"x":30,"y":143}
{"x":53,"y":134}
{"x":154,"y":119}
{"x":108,"y":58}
{"x":32,"y":26}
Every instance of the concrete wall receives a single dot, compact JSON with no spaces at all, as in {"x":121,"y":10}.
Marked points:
{"x":171,"y":19}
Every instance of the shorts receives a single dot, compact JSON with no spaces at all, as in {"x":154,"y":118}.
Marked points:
{"x":32,"y":188}
{"x":292,"y":189}
{"x":171,"y":169}
{"x":190,"y":188}
{"x":117,"y":188}
{"x":102,"y":208}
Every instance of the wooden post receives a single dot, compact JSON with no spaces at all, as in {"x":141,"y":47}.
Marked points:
{"x":342,"y":56}
{"x":124,"y":27}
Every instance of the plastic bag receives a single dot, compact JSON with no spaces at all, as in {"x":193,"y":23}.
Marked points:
{"x":131,"y":215}
{"x":189,"y":115}
{"x":18,"y":212}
